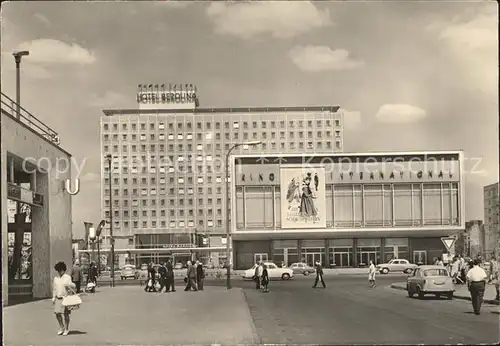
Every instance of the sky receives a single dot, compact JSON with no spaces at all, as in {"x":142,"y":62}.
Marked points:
{"x":408,"y":75}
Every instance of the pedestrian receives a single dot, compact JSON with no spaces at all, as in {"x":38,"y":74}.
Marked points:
{"x":170,"y":277}
{"x":62,"y":285}
{"x":190,"y":278}
{"x":319,"y":275}
{"x":371,"y":274}
{"x":256,"y":276}
{"x":455,"y":270}
{"x":435,"y":261}
{"x":162,"y":270}
{"x":495,"y":275}
{"x":476,"y":280}
{"x":92,"y":278}
{"x":265,"y":279}
{"x":200,"y":275}
{"x":76,"y":275}
{"x":150,"y":285}
{"x":440,"y":262}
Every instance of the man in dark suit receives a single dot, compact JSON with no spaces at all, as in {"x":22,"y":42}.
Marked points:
{"x":162,"y":270}
{"x":151,"y":279}
{"x":190,"y":278}
{"x":170,"y":277}
{"x":319,"y":275}
{"x":200,"y":275}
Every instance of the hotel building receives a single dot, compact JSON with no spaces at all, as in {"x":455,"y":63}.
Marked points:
{"x":345,"y":209}
{"x":168,"y":164}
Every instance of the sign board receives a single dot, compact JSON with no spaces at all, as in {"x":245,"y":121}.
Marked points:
{"x":176,"y":96}
{"x":449,"y":242}
{"x":303,"y":198}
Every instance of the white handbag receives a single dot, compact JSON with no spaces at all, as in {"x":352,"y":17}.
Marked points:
{"x":71,"y":300}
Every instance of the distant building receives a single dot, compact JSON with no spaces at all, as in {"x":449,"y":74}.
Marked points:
{"x":491,"y":195}
{"x":475,"y":238}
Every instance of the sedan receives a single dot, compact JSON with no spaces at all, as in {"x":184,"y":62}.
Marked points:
{"x":129,"y":271}
{"x":430,"y":279}
{"x":302,"y":268}
{"x":273,"y":270}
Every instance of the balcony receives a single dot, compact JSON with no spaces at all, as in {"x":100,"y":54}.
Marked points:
{"x":9,"y":107}
{"x":20,"y":194}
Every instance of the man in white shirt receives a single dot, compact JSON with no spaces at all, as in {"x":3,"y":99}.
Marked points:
{"x":455,"y":270}
{"x":476,"y":280}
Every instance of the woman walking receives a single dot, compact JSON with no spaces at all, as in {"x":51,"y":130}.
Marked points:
{"x":265,"y":279}
{"x":371,"y":274}
{"x":61,"y":287}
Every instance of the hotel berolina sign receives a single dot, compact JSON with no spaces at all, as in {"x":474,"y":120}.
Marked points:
{"x":171,"y":94}
{"x":268,"y":173}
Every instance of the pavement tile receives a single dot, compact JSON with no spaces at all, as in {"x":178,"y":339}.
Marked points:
{"x":461,"y":292}
{"x":128,"y":315}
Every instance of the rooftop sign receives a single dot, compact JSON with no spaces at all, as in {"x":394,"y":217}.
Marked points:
{"x":171,"y":96}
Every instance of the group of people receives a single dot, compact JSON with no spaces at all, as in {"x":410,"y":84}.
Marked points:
{"x":194,"y":278}
{"x":261,"y":277}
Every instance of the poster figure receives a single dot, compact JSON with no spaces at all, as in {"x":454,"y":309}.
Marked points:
{"x":303,"y":198}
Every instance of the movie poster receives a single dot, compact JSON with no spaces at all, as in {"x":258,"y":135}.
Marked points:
{"x":303,"y":201}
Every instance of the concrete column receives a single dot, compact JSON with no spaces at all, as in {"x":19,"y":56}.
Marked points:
{"x":40,"y":241}
{"x":327,"y":263}
{"x":355,"y":253}
{"x":4,"y":228}
{"x":382,"y":250}
{"x":299,"y":250}
{"x":271,"y":250}
{"x":11,"y":173}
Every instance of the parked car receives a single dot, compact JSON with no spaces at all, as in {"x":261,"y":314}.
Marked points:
{"x":430,"y":279}
{"x":129,"y":271}
{"x":273,"y":270}
{"x":302,"y":268}
{"x":178,"y":265}
{"x":396,"y":265}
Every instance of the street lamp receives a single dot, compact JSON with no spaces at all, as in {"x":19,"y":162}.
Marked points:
{"x":92,"y":237}
{"x":228,"y":209}
{"x":17,"y":57}
{"x":112,"y":240}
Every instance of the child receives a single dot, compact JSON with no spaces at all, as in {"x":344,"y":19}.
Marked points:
{"x":265,"y":279}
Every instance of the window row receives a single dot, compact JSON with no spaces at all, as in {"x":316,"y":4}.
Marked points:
{"x":354,"y":205}
{"x":178,"y":202}
{"x":162,"y":213}
{"x":162,"y":148}
{"x":164,"y":224}
{"x":208,"y":125}
{"x":227,"y":136}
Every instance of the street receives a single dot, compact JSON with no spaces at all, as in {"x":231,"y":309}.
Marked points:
{"x":346,"y":312}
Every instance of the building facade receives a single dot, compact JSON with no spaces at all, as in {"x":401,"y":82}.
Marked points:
{"x":35,"y":204}
{"x":491,"y":194}
{"x":168,"y":166}
{"x":345,"y":209}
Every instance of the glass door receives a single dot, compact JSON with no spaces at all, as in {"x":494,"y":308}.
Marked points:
{"x":368,"y":256}
{"x":312,"y":258}
{"x":420,"y":257}
{"x":260,"y":257}
{"x":342,"y":259}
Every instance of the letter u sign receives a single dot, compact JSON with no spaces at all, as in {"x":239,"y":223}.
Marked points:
{"x":67,"y":185}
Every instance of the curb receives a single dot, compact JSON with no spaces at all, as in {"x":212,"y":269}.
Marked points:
{"x":487,"y":301}
{"x":256,"y":338}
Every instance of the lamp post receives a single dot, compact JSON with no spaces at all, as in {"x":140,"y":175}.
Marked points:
{"x":92,"y":239}
{"x":98,"y":235}
{"x":18,"y":56}
{"x":228,"y":209}
{"x":112,"y":240}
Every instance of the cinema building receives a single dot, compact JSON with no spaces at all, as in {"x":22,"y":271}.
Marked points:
{"x":35,"y":204}
{"x":345,"y":209}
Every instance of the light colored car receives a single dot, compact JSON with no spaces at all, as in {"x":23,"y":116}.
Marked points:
{"x":273,"y":271}
{"x":396,"y":265}
{"x":179,"y":265}
{"x":430,"y":279}
{"x":302,"y":268}
{"x":129,"y":271}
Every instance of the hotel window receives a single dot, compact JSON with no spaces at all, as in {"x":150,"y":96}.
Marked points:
{"x":337,"y":133}
{"x":273,"y":124}
{"x":245,"y":125}
{"x":236,"y":125}
{"x":235,"y":136}
{"x":170,"y":126}
{"x":226,"y":146}
{"x":273,"y":145}
{"x":172,"y":224}
{"x":106,"y":137}
{"x":179,"y":125}
{"x":309,"y":123}
{"x":208,"y":125}
{"x":161,"y":126}
{"x":136,"y":224}
{"x":328,"y":144}
{"x":291,"y":124}
{"x":226,"y":124}
{"x":328,"y":123}
{"x":318,"y":123}
{"x":152,"y":126}
{"x":416,"y":204}
{"x":337,"y":123}
{"x":282,"y":145}
{"x":143,"y":126}
{"x":263,"y":124}
{"x":432,"y":204}
{"x":217,"y":125}
{"x":115,"y":127}
{"x":106,"y":127}
{"x":292,"y":145}
{"x":172,"y":213}
{"x":301,"y":123}
{"x":201,"y":212}
{"x":301,"y":145}
{"x":319,"y":134}
{"x":200,"y":201}
{"x":198,"y":126}
{"x":219,"y":201}
{"x":135,"y":213}
{"x":163,"y":224}
{"x":292,"y":134}
{"x":199,"y":136}
{"x":282,"y":124}
{"x":145,"y":213}
{"x":152,"y":137}
{"x":337,"y":144}
{"x":254,"y":124}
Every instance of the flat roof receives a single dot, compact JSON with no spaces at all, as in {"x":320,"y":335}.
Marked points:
{"x":338,"y":156}
{"x":110,"y":112}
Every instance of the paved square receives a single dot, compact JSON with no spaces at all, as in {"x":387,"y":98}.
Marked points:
{"x":128,"y":315}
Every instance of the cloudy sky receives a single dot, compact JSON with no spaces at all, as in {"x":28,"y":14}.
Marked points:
{"x":410,"y":75}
